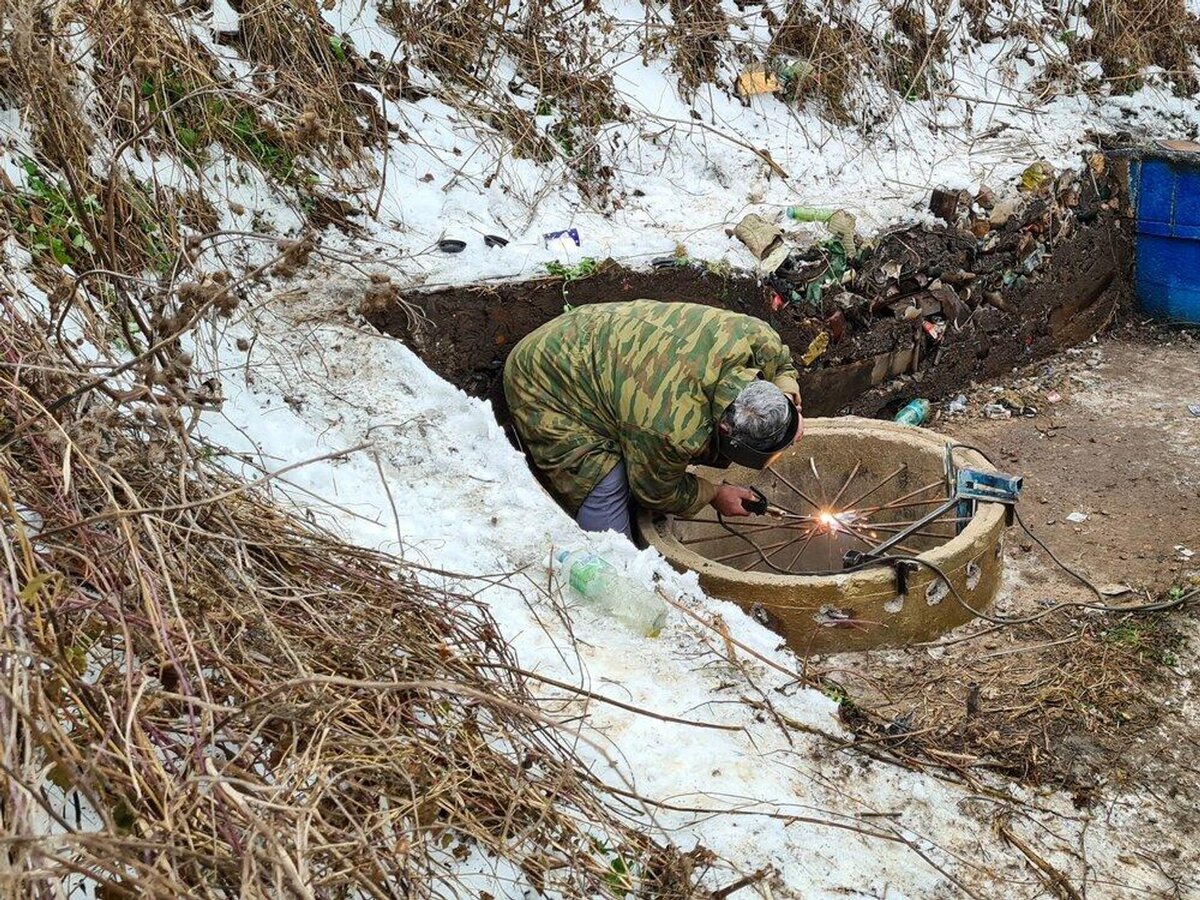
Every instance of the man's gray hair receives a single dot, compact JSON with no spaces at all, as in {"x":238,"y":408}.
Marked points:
{"x":759,"y":415}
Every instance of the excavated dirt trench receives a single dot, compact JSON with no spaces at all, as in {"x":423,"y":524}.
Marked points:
{"x":877,"y":365}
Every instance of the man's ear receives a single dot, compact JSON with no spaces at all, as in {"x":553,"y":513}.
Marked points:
{"x":723,"y":427}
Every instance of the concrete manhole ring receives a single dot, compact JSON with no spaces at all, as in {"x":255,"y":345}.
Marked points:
{"x":820,"y":609}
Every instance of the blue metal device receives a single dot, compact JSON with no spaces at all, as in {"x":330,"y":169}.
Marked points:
{"x":972,"y":485}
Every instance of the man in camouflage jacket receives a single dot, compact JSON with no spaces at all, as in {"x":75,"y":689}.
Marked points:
{"x":614,"y":401}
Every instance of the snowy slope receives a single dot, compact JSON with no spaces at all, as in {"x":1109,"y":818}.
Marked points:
{"x":440,"y":484}
{"x":685,"y":171}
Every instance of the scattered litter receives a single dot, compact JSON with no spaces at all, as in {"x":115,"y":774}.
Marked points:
{"x":1035,"y":176}
{"x":559,"y":236}
{"x":756,"y":80}
{"x":840,"y":223}
{"x":816,"y":349}
{"x":1004,"y":210}
{"x":957,"y":406}
{"x":452,"y":245}
{"x":1053,"y":397}
{"x":1184,"y":552}
{"x":914,"y":412}
{"x":944,"y":205}
{"x":996,"y":411}
{"x":494,"y":240}
{"x":1077,"y":518}
{"x":763,"y":239}
{"x":1194,"y":409}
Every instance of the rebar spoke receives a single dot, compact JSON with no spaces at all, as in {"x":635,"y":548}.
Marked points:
{"x":803,"y":547}
{"x":849,"y":478}
{"x":861,"y":497}
{"x":895,"y":503}
{"x":803,"y":496}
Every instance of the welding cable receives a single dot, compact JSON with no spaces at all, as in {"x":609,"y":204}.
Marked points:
{"x":1159,"y":606}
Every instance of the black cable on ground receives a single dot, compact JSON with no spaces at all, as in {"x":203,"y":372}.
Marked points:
{"x":1159,"y":606}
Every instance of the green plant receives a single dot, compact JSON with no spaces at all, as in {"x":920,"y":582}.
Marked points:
{"x":722,"y":268}
{"x":1129,"y":635}
{"x":247,"y":131}
{"x":54,"y":224}
{"x":585,"y":268}
{"x":337,"y":46}
{"x":619,"y":879}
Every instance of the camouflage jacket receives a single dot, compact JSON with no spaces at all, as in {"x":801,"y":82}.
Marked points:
{"x":644,"y":382}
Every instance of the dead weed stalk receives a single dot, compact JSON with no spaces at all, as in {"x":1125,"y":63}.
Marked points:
{"x":205,"y":695}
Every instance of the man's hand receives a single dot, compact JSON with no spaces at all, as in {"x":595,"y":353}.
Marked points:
{"x":728,"y":501}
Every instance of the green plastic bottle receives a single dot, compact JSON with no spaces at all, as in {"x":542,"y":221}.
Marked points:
{"x":914,"y":413}
{"x":595,"y":582}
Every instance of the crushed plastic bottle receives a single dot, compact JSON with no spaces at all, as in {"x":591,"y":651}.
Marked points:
{"x":914,"y":412}
{"x":599,"y":586}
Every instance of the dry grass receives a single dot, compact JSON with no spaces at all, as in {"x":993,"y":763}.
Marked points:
{"x":1132,"y":35}
{"x":697,"y":34}
{"x":1053,"y":703}
{"x":834,"y":49}
{"x":246,"y":705}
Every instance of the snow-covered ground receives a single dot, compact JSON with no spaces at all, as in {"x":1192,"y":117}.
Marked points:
{"x":435,"y":480}
{"x":439,"y":483}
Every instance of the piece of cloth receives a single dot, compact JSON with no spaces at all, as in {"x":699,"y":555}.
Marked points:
{"x":609,"y":505}
{"x":640,"y":382}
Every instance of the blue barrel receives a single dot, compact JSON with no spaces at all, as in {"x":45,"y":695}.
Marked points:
{"x":1165,"y":189}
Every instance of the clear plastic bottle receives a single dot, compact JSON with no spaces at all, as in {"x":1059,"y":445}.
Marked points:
{"x":914,"y":413}
{"x":595,"y":581}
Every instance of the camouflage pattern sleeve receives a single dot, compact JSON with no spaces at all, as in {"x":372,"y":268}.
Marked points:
{"x":772,"y":356}
{"x":658,"y":475}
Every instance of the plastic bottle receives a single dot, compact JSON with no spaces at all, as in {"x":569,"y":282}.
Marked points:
{"x":914,"y":413}
{"x":595,"y":581}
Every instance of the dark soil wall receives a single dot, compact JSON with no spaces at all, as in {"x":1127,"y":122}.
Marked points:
{"x":877,"y":366}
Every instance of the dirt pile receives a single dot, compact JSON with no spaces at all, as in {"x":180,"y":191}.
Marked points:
{"x":920,"y":312}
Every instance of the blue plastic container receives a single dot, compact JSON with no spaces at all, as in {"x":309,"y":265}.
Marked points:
{"x":1165,"y":188}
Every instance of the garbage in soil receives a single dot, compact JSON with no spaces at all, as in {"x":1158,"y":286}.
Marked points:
{"x":914,"y":413}
{"x":840,"y":223}
{"x":816,"y":349}
{"x":940,"y":283}
{"x":1077,"y":518}
{"x":764,"y":240}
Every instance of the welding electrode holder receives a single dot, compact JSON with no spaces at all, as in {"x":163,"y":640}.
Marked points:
{"x":757,"y":506}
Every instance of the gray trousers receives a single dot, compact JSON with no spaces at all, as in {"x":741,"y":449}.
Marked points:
{"x":609,"y":507}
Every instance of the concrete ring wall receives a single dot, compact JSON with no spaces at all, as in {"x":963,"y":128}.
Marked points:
{"x":798,"y":607}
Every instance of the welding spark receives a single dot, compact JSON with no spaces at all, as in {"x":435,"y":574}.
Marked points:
{"x":830,"y":522}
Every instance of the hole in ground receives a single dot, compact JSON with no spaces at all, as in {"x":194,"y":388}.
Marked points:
{"x":875,"y":361}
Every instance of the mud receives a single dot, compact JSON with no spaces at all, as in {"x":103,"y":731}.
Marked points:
{"x":879,"y":363}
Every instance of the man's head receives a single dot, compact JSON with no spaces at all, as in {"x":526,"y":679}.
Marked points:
{"x":759,"y":423}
